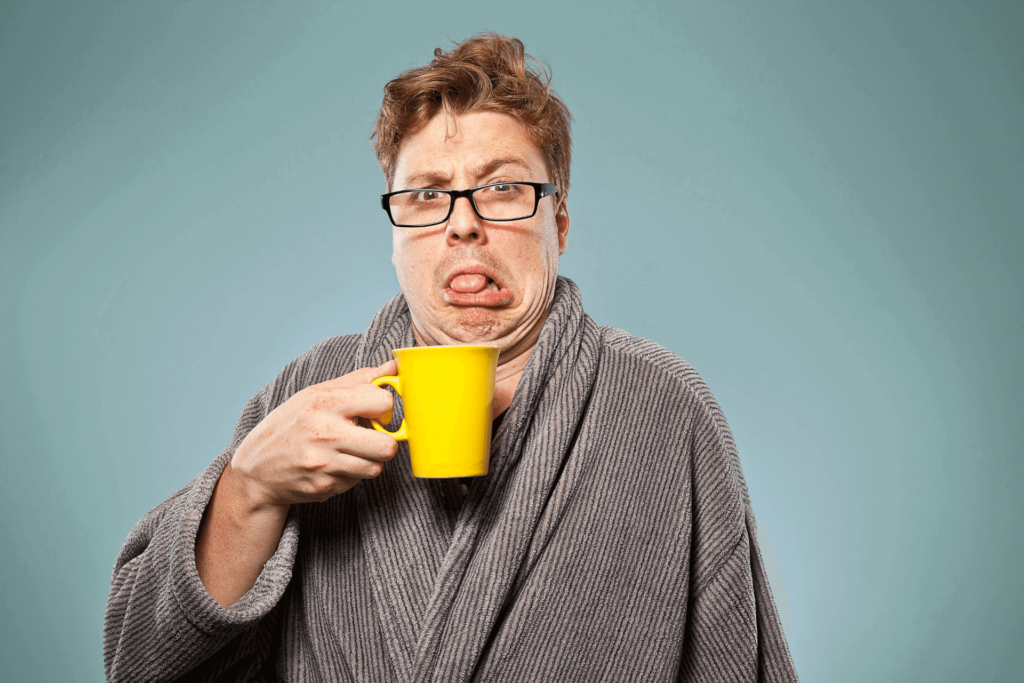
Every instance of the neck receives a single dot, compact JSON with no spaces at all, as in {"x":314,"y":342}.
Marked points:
{"x":511,"y":364}
{"x":507,"y":379}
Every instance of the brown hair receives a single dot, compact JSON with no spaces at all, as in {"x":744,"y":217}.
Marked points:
{"x":488,"y":72}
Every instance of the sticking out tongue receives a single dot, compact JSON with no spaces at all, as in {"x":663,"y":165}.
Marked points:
{"x":469,"y":283}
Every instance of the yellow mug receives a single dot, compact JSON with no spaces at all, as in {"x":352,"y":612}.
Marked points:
{"x":448,"y":396}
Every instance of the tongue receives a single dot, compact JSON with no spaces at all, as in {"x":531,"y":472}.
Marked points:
{"x":469,"y":284}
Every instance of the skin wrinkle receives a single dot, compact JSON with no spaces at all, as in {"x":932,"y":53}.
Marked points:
{"x":442,"y":181}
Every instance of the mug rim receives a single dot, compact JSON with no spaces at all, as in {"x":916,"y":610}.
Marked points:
{"x":446,"y":347}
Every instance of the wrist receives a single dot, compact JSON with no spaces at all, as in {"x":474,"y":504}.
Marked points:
{"x":245,"y":496}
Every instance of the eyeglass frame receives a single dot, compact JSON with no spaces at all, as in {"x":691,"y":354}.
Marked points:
{"x":540,"y":191}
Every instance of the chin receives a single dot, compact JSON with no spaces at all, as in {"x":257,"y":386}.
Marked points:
{"x":476,"y":326}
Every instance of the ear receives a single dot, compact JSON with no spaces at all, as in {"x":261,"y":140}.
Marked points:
{"x":562,"y":223}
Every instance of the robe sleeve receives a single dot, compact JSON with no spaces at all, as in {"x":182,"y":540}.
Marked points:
{"x":161,"y":623}
{"x":733,"y":628}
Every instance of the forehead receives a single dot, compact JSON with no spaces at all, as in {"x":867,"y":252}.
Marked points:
{"x":466,"y":148}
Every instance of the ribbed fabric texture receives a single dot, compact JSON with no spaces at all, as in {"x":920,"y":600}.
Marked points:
{"x":613,"y":540}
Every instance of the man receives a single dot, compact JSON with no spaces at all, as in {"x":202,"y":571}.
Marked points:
{"x":613,"y":537}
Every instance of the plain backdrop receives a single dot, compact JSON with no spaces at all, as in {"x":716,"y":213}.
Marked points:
{"x":818,"y":205}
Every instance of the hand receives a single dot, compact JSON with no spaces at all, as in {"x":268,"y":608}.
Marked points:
{"x":311,"y":447}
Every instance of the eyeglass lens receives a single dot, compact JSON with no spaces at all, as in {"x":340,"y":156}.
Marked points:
{"x":495,"y":202}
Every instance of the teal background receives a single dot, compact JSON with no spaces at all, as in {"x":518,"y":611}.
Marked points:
{"x":818,"y":206}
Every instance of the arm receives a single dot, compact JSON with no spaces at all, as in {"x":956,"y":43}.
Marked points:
{"x":200,"y":578}
{"x":308,"y":449}
{"x":161,"y":623}
{"x":733,"y":631}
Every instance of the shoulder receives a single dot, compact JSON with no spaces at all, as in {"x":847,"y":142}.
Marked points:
{"x":331,"y":357}
{"x":656,"y":359}
{"x":327,"y":359}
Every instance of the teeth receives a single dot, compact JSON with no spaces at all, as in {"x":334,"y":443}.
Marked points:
{"x":491,"y":284}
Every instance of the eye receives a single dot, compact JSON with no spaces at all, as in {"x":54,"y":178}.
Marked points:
{"x":427,"y":195}
{"x":504,"y":190}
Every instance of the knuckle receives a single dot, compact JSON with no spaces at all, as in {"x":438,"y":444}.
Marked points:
{"x":312,"y":461}
{"x":347,"y":396}
{"x":374,"y":469}
{"x":318,"y":490}
{"x":383,"y":405}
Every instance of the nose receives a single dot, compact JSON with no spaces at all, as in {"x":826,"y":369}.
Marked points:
{"x":464,"y":225}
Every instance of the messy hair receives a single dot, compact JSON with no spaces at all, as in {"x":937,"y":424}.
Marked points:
{"x":488,"y":72}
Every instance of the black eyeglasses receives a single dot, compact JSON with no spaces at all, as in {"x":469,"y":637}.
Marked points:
{"x":497,"y":202}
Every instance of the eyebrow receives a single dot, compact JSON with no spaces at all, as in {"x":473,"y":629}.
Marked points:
{"x":493,"y":165}
{"x":428,"y":178}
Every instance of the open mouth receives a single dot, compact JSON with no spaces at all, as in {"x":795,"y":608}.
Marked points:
{"x":475,"y":286}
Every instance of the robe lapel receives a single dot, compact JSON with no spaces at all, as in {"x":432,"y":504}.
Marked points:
{"x":498,"y":522}
{"x":404,"y":540}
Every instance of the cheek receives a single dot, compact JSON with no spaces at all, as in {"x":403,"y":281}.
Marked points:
{"x":547,"y":250}
{"x":396,"y":248}
{"x":535,"y":260}
{"x":402,"y":251}
{"x":412,"y":261}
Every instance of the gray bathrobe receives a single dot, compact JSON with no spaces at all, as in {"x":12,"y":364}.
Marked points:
{"x":613,"y":540}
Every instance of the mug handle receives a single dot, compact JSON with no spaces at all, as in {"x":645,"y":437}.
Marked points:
{"x":395,"y":383}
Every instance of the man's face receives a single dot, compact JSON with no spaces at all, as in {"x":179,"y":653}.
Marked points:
{"x":471,"y":280}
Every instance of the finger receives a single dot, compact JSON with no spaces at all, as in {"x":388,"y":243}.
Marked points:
{"x":386,"y":417}
{"x":325,"y":486}
{"x":363,"y":443}
{"x":364,"y":375}
{"x":349,"y":402}
{"x":388,"y":368}
{"x":346,"y":466}
{"x":365,"y":400}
